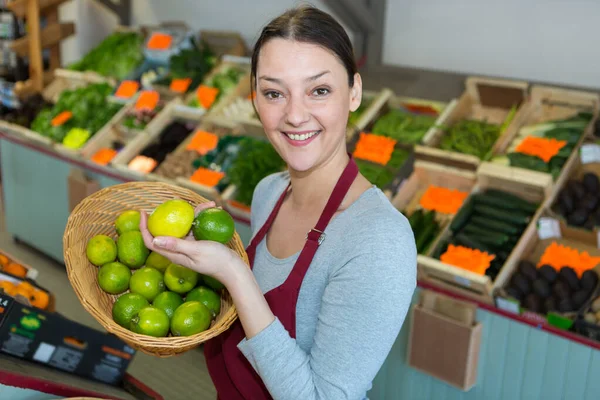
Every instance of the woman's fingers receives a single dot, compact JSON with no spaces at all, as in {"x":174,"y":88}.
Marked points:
{"x":175,"y":245}
{"x":204,"y":206}
{"x":144,"y":230}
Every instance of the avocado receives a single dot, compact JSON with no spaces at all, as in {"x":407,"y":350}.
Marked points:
{"x":566,"y":201}
{"x":550,"y":304}
{"x":541,"y":288}
{"x":577,"y":189}
{"x":569,"y":276}
{"x":589,"y":202}
{"x":589,"y":279}
{"x":533,"y":303}
{"x":528,"y":270}
{"x":515,"y":293}
{"x":548,"y":273}
{"x":566,"y":305}
{"x":591,"y":182}
{"x":520,"y":282}
{"x":579,"y":298}
{"x":561,"y":290}
{"x":578,"y":217}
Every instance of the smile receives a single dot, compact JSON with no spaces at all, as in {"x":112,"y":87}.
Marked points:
{"x":302,"y":136}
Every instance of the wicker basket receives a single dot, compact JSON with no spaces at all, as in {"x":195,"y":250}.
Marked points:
{"x":96,"y":215}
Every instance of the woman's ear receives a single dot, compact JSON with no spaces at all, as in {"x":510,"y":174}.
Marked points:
{"x":356,"y":93}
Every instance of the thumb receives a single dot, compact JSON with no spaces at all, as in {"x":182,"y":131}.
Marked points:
{"x":175,"y":245}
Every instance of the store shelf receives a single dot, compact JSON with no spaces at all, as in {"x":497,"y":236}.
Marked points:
{"x":51,"y":35}
{"x":19,"y":7}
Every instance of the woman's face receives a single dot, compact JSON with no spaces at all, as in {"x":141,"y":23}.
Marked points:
{"x":303,"y":100}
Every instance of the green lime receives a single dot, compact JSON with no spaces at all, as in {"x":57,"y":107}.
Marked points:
{"x":206,"y":296}
{"x":101,"y":249}
{"x":128,"y":221}
{"x":114,"y":277}
{"x":158,"y":261}
{"x":180,"y":279}
{"x":151,"y":321}
{"x":126,"y":307}
{"x":148,"y":282}
{"x":168,"y":302}
{"x":131,"y":249}
{"x":190,"y":318}
{"x":212,"y":283}
{"x":213,"y":224}
{"x":171,"y":218}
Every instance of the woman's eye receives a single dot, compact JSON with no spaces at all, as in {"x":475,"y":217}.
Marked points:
{"x":271,"y":95}
{"x":321,"y":91}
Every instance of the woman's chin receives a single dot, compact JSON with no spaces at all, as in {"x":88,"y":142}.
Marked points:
{"x":300,"y":162}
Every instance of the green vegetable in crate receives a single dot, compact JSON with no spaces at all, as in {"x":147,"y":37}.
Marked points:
{"x":383,"y":175}
{"x":194,"y":63}
{"x":471,"y":137}
{"x":116,"y":56}
{"x":225,"y":82}
{"x":256,"y":159}
{"x":425,"y":228}
{"x":403,"y":127}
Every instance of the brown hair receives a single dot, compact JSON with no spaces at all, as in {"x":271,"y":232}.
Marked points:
{"x":309,"y":25}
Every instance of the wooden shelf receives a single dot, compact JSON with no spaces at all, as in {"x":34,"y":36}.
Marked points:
{"x":51,"y":35}
{"x":19,"y":7}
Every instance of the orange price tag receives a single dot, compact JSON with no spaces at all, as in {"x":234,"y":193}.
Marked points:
{"x":241,"y":206}
{"x":473,"y":260}
{"x":252,"y":96}
{"x":148,"y":100}
{"x":61,"y":118}
{"x":540,"y":147}
{"x":203,"y":142}
{"x":159,"y":41}
{"x":377,"y":149}
{"x":207,"y":177}
{"x":127,"y":89}
{"x":180,"y":85}
{"x":142,"y":164}
{"x":559,"y":255}
{"x":206,"y":95}
{"x":443,"y":200}
{"x":104,"y":155}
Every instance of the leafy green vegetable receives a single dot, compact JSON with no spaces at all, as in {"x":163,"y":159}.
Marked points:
{"x":116,"y":56}
{"x":90,"y":109}
{"x":225,"y":81}
{"x":471,"y":137}
{"x":379,"y":175}
{"x":256,"y":159}
{"x":403,"y":127}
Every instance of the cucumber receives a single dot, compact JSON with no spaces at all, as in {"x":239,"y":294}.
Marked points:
{"x":462,"y":216}
{"x":425,"y":237}
{"x":511,"y":217}
{"x":497,"y":202}
{"x":486,"y":236}
{"x":471,"y":243}
{"x":495,"y":226}
{"x":415,"y":220}
{"x":508,"y":197}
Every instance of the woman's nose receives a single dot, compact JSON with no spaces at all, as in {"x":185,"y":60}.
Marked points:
{"x":296,"y":111}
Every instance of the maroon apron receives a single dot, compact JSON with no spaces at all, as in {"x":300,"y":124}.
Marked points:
{"x":233,"y":376}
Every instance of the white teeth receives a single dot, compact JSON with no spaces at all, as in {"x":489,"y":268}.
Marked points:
{"x":301,"y":137}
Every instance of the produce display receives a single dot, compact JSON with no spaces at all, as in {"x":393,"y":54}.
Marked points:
{"x":403,"y":126}
{"x":578,"y":202}
{"x":543,"y":289}
{"x":255,"y":160}
{"x":354,"y":116}
{"x":225,"y":81}
{"x":89,"y":110}
{"x":565,"y":132}
{"x":240,"y":108}
{"x":491,"y":222}
{"x":155,"y":296}
{"x":383,"y":175}
{"x":471,"y":137}
{"x":425,"y":227}
{"x":592,"y":315}
{"x":24,"y":115}
{"x":116,"y":56}
{"x":13,"y":282}
{"x":136,"y":120}
{"x":168,"y":140}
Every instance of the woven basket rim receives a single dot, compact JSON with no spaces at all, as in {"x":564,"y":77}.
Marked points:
{"x":163,"y":346}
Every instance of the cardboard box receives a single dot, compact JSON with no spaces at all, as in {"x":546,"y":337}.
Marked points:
{"x":80,"y":186}
{"x":57,"y":342}
{"x":445,"y":339}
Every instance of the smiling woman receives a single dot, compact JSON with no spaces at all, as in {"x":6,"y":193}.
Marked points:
{"x":333,"y":263}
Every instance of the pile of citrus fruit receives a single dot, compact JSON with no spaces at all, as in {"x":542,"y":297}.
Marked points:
{"x":15,"y":285}
{"x":156,"y":296}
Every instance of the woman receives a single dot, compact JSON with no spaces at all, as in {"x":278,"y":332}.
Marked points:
{"x":333,"y":263}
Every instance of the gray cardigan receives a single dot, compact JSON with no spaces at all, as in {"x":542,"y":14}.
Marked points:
{"x":352,"y":303}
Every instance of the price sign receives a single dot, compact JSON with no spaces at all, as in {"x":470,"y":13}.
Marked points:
{"x":374,"y":148}
{"x":203,"y":142}
{"x":180,"y":85}
{"x":142,"y":164}
{"x":206,"y":95}
{"x":590,"y":153}
{"x":540,"y":147}
{"x":61,"y":118}
{"x":548,"y":228}
{"x":159,"y":41}
{"x":148,"y":100}
{"x":104,"y":156}
{"x":508,"y":305}
{"x":207,"y":177}
{"x":127,"y":89}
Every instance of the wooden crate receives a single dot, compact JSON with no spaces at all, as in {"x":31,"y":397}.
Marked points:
{"x":534,"y":247}
{"x":152,"y":132}
{"x":385,"y":101}
{"x":426,"y":174}
{"x":65,"y":79}
{"x":25,"y":133}
{"x":481,"y":287}
{"x":483,"y":100}
{"x":235,"y":208}
{"x":546,"y":104}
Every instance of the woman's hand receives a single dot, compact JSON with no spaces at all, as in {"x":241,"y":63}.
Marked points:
{"x":203,"y":256}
